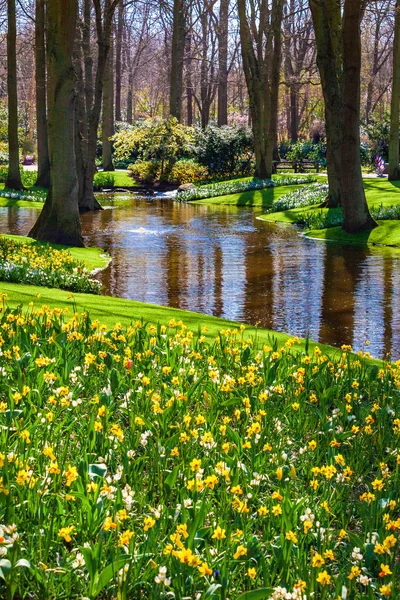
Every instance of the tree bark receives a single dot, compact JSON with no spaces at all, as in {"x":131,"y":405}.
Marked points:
{"x":356,"y":215}
{"x":223,"y":63}
{"x":118,"y":62}
{"x":43,"y":178}
{"x":108,"y":110}
{"x":104,"y":19}
{"x":394,"y":166}
{"x":177,"y":60}
{"x":87,"y":54}
{"x":59,"y":220}
{"x":14,"y":177}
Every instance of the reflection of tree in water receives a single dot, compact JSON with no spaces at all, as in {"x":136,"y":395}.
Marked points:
{"x":343,"y":268}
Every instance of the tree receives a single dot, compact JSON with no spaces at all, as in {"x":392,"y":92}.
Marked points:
{"x":14,"y":176}
{"x":43,"y":178}
{"x":223,"y":63}
{"x":394,"y":167}
{"x":260,"y":36}
{"x":104,"y":14}
{"x":177,"y":58}
{"x":338,"y":41}
{"x":108,"y":111}
{"x":118,"y":62}
{"x":59,"y":220}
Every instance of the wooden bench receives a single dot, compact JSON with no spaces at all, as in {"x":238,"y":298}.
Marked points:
{"x":296,"y":165}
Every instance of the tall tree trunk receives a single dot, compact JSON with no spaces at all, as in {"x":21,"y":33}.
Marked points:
{"x":59,"y":220}
{"x":87,"y":54}
{"x":189,"y":88}
{"x":293,"y":114}
{"x":43,"y":178}
{"x":327,"y":26}
{"x":108,"y":111}
{"x":177,"y":59}
{"x":14,"y":177}
{"x":129,"y":103}
{"x":356,"y":215}
{"x":394,"y":167}
{"x":118,"y":62}
{"x":223,"y":63}
{"x":104,"y":20}
{"x":273,"y":87}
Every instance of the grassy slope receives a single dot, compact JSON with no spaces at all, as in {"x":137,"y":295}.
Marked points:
{"x":111,"y":310}
{"x":94,"y":258}
{"x":387,"y":234}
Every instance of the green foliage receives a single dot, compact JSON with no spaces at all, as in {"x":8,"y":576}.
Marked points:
{"x":150,"y":463}
{"x":378,"y":132}
{"x":156,"y":139}
{"x":187,"y":170}
{"x":27,"y":146}
{"x":145,"y":171}
{"x":307,"y":151}
{"x":103,"y":180}
{"x":224,"y":150}
{"x":44,"y":265}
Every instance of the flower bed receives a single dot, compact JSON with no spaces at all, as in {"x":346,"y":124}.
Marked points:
{"x":237,"y":186}
{"x":146,"y":463}
{"x":41,"y":264}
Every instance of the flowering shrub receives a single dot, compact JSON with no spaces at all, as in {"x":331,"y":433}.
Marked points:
{"x":36,"y":195}
{"x":237,"y":186}
{"x":40,"y":264}
{"x":148,"y":463}
{"x":187,"y":170}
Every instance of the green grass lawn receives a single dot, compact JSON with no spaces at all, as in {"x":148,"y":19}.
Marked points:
{"x":94,"y":258}
{"x":122,"y":178}
{"x":110,"y":310}
{"x":386,"y":234}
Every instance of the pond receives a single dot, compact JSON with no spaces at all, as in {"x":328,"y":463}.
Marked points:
{"x":223,"y":261}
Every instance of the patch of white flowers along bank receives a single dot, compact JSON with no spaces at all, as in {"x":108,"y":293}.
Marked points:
{"x":30,"y":196}
{"x":234,"y":187}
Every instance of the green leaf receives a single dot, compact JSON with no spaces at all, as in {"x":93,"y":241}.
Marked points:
{"x":97,"y":470}
{"x":256,"y":594}
{"x":5,"y":568}
{"x":110,"y":572}
{"x":212,"y":589}
{"x":171,"y":479}
{"x":22,"y":562}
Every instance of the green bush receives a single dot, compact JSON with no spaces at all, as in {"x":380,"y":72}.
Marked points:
{"x":103,"y":180}
{"x":145,"y":171}
{"x":378,"y":132}
{"x":187,"y":170}
{"x":224,"y":150}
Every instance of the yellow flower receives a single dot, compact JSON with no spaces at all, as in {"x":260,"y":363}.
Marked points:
{"x":355,"y":572}
{"x":240,"y":551}
{"x":252,"y":573}
{"x":148,"y":523}
{"x":219,"y":533}
{"x":291,"y":537}
{"x":276,"y":510}
{"x":125,"y":538}
{"x":195,"y":465}
{"x":324,"y":578}
{"x":385,"y":570}
{"x":109,"y":524}
{"x":71,"y":474}
{"x":317,"y":560}
{"x":65,"y":532}
{"x":25,"y":436}
{"x":378,"y":484}
{"x":204,"y":569}
{"x":386,"y":590}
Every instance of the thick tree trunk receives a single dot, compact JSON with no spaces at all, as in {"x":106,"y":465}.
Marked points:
{"x":14,"y":177}
{"x":189,"y":87}
{"x":43,"y":178}
{"x":118,"y":62}
{"x":177,"y":60}
{"x":59,"y":220}
{"x":87,"y":55}
{"x":108,"y":111}
{"x":356,"y":215}
{"x":394,"y":166}
{"x":293,"y":115}
{"x":223,"y":63}
{"x":327,"y":24}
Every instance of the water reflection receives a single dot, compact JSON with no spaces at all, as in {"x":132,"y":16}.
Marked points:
{"x":225,"y":262}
